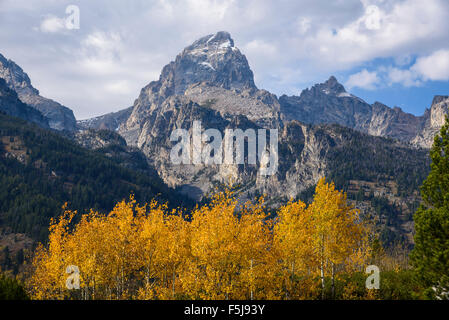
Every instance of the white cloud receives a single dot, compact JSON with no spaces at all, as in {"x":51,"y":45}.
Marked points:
{"x":433,"y":67}
{"x":100,"y":53}
{"x":106,"y":44}
{"x":363,"y":79}
{"x":407,"y":78}
{"x":387,"y":29}
{"x":52,"y":24}
{"x":261,"y":48}
{"x":210,"y":10}
{"x":372,"y":18}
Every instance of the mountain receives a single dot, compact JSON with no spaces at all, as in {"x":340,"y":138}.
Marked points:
{"x":210,"y":72}
{"x":110,"y":121}
{"x":370,"y":151}
{"x":59,"y":117}
{"x":329,"y":102}
{"x":434,"y":119}
{"x":210,"y":81}
{"x":11,"y":105}
{"x":213,"y":58}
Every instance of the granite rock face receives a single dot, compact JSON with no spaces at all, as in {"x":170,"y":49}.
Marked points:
{"x":59,"y":117}
{"x":211,"y":72}
{"x":327,"y":103}
{"x":97,"y":139}
{"x":214,"y":59}
{"x":211,"y":82}
{"x":434,"y":119}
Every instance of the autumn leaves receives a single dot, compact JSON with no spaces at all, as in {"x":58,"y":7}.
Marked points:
{"x":222,"y":251}
{"x":321,"y":240}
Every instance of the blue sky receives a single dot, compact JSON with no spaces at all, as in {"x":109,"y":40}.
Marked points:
{"x":395,"y":51}
{"x":410,"y":92}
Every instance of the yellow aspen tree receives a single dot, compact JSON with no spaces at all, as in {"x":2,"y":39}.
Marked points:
{"x":211,"y":271}
{"x":49,"y":278}
{"x":257,"y":266}
{"x":119,"y":241}
{"x":82,"y":250}
{"x":176,"y":247}
{"x":293,"y":238}
{"x":152,"y":237}
{"x":339,"y":236}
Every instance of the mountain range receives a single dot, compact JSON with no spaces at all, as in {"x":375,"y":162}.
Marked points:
{"x":378,"y":154}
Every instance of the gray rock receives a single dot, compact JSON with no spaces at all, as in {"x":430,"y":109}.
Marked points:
{"x":59,"y":116}
{"x":11,"y":105}
{"x":111,"y":121}
{"x":434,"y":119}
{"x":211,"y":72}
{"x":329,"y":103}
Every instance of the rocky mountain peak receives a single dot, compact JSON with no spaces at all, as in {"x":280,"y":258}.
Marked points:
{"x":332,"y":87}
{"x":212,"y":73}
{"x":15,"y":77}
{"x":438,"y":110}
{"x":213,"y":59}
{"x":438,"y":99}
{"x":222,"y":39}
{"x":59,"y":117}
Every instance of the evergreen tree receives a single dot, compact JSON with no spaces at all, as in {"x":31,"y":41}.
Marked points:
{"x":430,"y":256}
{"x":11,"y":289}
{"x":6,"y":258}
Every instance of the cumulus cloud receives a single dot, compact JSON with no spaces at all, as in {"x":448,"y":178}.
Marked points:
{"x":372,"y":17}
{"x":385,"y":29}
{"x":405,"y":77}
{"x":100,"y":53}
{"x":363,"y":79}
{"x":52,"y":24}
{"x":434,"y":66}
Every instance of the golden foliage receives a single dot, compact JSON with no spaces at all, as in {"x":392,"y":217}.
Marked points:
{"x":224,"y":251}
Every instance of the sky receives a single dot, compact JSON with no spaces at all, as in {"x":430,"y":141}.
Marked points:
{"x":392,"y":51}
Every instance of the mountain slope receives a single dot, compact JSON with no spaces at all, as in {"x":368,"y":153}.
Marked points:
{"x":41,"y":170}
{"x":59,"y":116}
{"x":11,"y":105}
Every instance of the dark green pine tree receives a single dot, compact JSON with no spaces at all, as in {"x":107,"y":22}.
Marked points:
{"x":11,"y":289}
{"x":430,"y":256}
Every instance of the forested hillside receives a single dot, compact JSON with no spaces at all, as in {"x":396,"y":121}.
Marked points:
{"x":41,"y":170}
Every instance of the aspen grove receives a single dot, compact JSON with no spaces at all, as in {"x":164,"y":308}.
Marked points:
{"x":220,"y":250}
